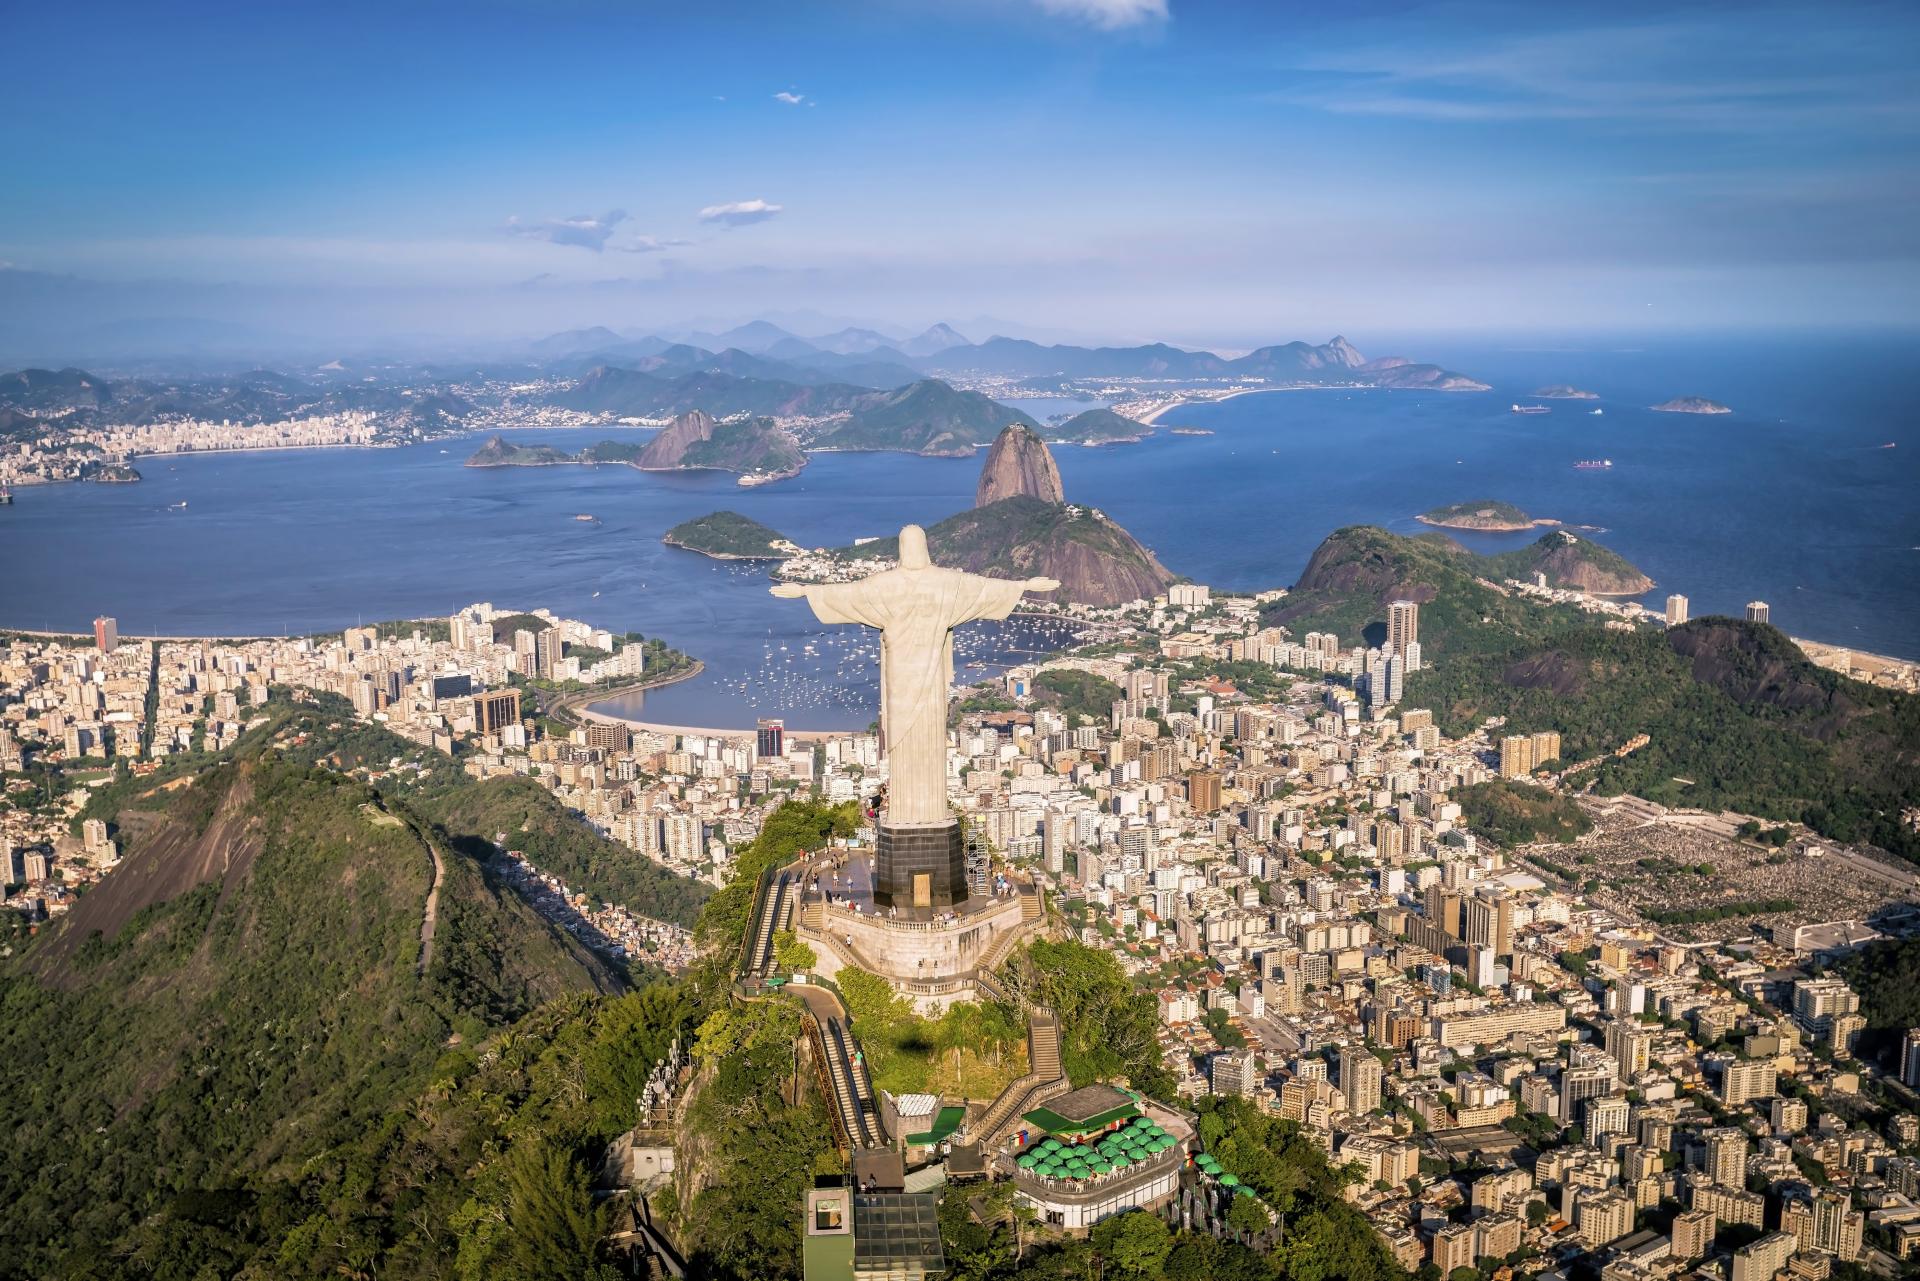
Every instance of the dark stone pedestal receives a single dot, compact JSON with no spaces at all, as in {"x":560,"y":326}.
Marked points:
{"x":904,"y":854}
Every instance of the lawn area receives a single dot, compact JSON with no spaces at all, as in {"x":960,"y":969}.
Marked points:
{"x":972,"y":1051}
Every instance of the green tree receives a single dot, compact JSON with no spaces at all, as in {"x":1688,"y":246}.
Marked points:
{"x":553,"y":1227}
{"x":1136,"y":1243}
{"x":791,"y":955}
{"x":1246,"y":1215}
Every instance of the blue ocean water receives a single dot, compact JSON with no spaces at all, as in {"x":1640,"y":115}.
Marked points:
{"x":1792,"y":499}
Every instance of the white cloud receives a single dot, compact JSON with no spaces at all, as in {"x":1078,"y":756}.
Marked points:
{"x":1109,"y":15}
{"x":581,"y":231}
{"x":791,"y":99}
{"x":739,"y":213}
{"x":646,"y":245}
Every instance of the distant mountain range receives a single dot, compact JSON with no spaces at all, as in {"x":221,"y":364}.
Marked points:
{"x":859,"y":389}
{"x":764,"y":350}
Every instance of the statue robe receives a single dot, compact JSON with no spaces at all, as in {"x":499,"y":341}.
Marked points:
{"x":915,"y":611}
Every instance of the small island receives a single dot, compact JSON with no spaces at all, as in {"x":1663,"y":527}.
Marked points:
{"x":1487,"y":515}
{"x":1100,"y":427}
{"x":1691,"y":405}
{"x":730,"y":536}
{"x":1560,"y":391}
{"x":113,"y":474}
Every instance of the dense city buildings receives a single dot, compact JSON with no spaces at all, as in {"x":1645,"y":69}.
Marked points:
{"x":1521,"y":1065}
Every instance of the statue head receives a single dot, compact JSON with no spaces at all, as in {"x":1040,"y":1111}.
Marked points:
{"x":913,"y":548}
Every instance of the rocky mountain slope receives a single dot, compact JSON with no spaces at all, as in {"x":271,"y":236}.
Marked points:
{"x":926,"y":417}
{"x":1016,"y":532}
{"x":1096,"y":561}
{"x":1357,"y":571}
{"x":1018,"y":463}
{"x":748,"y":446}
{"x":1571,"y":563}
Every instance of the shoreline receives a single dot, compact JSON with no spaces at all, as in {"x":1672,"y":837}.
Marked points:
{"x":577,"y":704}
{"x":1538,"y":522}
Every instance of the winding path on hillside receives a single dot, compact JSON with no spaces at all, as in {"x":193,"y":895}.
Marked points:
{"x":432,"y":917}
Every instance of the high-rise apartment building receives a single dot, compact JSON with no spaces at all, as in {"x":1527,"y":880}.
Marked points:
{"x":1759,"y":1260}
{"x":1578,"y":1085}
{"x":1817,"y":1002}
{"x":1236,"y":1072}
{"x":1747,"y":1079}
{"x":1692,"y":1234}
{"x":106,"y":634}
{"x":1758,"y":611}
{"x":1602,"y":1217}
{"x":1828,"y":1222}
{"x":1403,"y":626}
{"x":1630,"y":1046}
{"x":1489,"y":923}
{"x":1724,"y":1155}
{"x":1360,"y":1077}
{"x":1608,"y":1115}
{"x":770,"y":738}
{"x":1910,"y":1058}
{"x":1203,"y":793}
{"x":1521,"y":754}
{"x":1676,"y":610}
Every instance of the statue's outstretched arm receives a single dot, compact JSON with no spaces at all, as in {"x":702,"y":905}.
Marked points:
{"x":857,"y":602}
{"x":1042,"y":584}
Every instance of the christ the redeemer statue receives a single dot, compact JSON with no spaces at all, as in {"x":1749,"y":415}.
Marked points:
{"x":916,"y":607}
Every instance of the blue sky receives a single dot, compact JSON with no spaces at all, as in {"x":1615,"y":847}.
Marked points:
{"x":1204,"y":172}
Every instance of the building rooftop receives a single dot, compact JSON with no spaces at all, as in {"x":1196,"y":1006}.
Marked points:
{"x":1091,"y":1107}
{"x":896,"y":1230}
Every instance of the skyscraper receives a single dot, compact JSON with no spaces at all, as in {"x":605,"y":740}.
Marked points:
{"x":1758,"y":611}
{"x":1910,"y":1058}
{"x":771,"y":738}
{"x":1676,"y":610}
{"x":106,"y":634}
{"x":1403,"y":626}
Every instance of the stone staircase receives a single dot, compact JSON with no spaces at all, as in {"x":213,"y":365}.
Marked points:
{"x":1042,"y":1081}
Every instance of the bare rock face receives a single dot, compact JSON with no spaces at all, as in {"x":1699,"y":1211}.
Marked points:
{"x":1018,"y":464}
{"x":669,"y":448}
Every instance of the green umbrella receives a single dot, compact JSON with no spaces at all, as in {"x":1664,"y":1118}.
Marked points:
{"x":1206,"y":1161}
{"x":1142,"y":1122}
{"x":1102,"y":1166}
{"x":1161,"y":1144}
{"x":1028,"y":1161}
{"x":1229,"y":1180}
{"x":1050,"y":1145}
{"x":1242,"y":1190}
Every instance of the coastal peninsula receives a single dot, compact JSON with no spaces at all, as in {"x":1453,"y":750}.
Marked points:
{"x":1691,"y":405}
{"x":1486,"y":515}
{"x":757,"y":449}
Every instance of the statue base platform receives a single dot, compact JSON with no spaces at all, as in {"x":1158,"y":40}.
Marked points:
{"x":934,"y":963}
{"x":919,"y":869}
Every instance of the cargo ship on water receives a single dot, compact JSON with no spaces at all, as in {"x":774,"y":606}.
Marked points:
{"x":1593,"y":464}
{"x":1530,"y":409}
